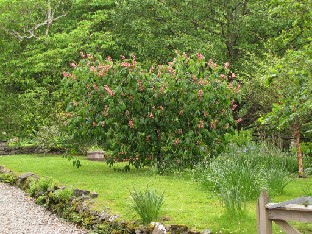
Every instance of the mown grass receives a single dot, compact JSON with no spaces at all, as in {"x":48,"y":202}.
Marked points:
{"x":186,"y":202}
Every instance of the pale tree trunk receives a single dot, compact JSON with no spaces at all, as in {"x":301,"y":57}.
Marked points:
{"x":296,"y":136}
{"x":49,"y":17}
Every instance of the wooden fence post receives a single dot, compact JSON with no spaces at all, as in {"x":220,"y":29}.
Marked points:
{"x":264,"y":223}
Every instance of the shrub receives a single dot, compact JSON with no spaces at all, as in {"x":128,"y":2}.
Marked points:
{"x":63,"y":195}
{"x":308,"y":171}
{"x":170,"y":114}
{"x":41,"y":186}
{"x":59,"y":201}
{"x":147,"y":204}
{"x":52,"y":137}
{"x":9,"y":178}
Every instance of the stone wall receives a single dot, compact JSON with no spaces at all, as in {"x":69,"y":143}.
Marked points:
{"x":13,"y":150}
{"x":3,"y":147}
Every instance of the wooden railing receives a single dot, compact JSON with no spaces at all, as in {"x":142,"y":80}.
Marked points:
{"x":299,"y":209}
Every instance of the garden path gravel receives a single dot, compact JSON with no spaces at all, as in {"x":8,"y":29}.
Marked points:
{"x":19,"y":214}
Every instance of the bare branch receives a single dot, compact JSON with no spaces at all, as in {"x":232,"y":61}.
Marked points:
{"x":44,"y":18}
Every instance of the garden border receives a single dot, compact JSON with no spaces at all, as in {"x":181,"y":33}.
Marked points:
{"x":13,"y":150}
{"x":78,"y":210}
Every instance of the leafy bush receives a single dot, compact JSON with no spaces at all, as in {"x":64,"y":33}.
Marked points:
{"x":147,"y":204}
{"x":240,"y":174}
{"x":170,"y":114}
{"x":308,"y":171}
{"x":9,"y":178}
{"x":238,"y":138}
{"x":49,"y":137}
{"x":59,"y":200}
{"x":41,"y":186}
{"x":63,"y":195}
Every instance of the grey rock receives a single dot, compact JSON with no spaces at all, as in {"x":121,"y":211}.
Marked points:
{"x":104,"y":216}
{"x":79,"y":192}
{"x":4,"y":170}
{"x":94,"y":195}
{"x":113,"y":217}
{"x":207,"y":231}
{"x":23,"y":177}
{"x":174,"y":228}
{"x":158,"y":228}
{"x":40,"y":193}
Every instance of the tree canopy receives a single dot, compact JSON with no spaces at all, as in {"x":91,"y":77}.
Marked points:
{"x":267,"y":44}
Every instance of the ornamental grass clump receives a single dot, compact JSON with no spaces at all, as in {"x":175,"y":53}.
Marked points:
{"x":147,"y":204}
{"x":239,"y":174}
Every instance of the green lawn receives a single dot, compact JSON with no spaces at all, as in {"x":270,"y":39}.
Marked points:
{"x":186,"y":202}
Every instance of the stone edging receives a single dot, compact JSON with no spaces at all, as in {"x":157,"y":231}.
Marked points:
{"x":13,"y":150}
{"x":78,"y":209}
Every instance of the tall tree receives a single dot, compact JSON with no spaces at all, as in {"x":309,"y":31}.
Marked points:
{"x":39,"y":41}
{"x":225,"y":30}
{"x":291,"y":76}
{"x":26,"y":19}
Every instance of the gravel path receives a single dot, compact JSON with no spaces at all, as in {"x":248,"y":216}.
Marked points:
{"x":19,"y":214}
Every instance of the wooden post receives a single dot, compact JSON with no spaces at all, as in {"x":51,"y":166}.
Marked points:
{"x":264,"y":223}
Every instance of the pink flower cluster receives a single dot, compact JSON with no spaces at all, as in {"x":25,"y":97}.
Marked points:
{"x":74,"y":65}
{"x":141,"y":86}
{"x":200,"y":56}
{"x":65,"y":74}
{"x":125,"y":64}
{"x":239,"y":120}
{"x":213,"y":124}
{"x":131,"y":124}
{"x":109,"y":90}
{"x":200,"y":93}
{"x":103,"y":69}
{"x":201,"y":124}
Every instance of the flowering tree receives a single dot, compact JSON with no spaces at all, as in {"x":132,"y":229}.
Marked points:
{"x":175,"y":113}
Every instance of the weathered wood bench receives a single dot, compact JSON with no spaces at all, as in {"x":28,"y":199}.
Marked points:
{"x":299,"y":209}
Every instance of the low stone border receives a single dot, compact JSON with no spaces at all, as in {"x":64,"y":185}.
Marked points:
{"x":13,"y":150}
{"x":78,"y":209}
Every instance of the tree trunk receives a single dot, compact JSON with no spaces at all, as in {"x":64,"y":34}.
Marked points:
{"x":49,"y":18}
{"x":296,"y":136}
{"x":158,"y":156}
